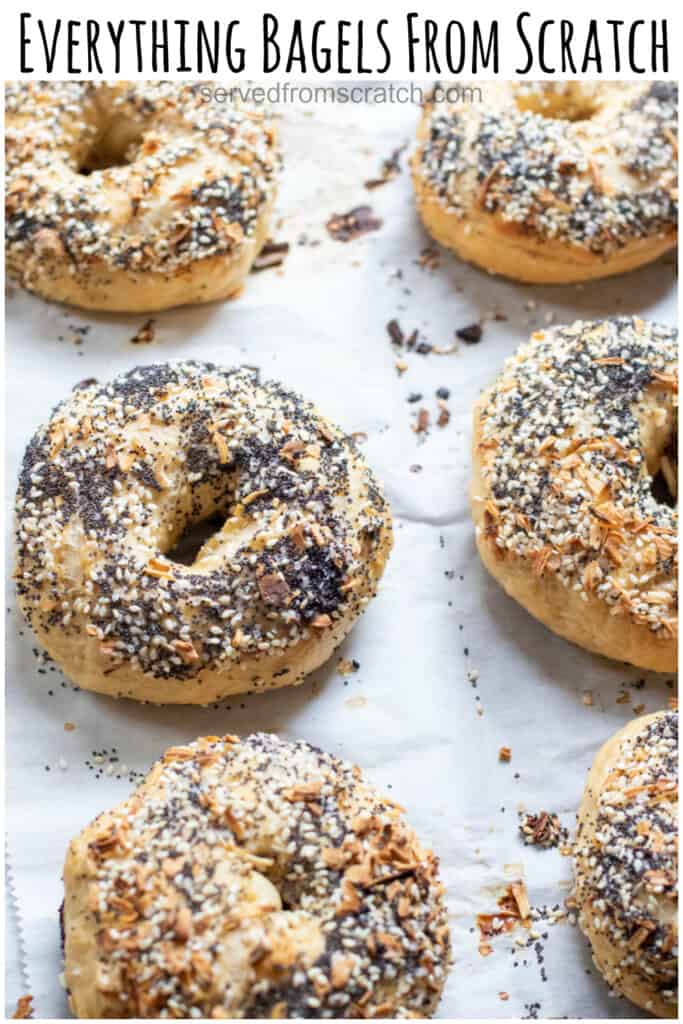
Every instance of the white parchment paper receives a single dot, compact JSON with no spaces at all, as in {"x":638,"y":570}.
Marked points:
{"x":410,"y":715}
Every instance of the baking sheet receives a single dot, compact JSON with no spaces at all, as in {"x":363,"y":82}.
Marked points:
{"x":449,"y":670}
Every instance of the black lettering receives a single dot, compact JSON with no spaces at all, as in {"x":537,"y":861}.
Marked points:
{"x":72,"y":44}
{"x":342,"y":44}
{"x":663,"y":46}
{"x":413,"y":40}
{"x":115,"y":34}
{"x":24,"y":40}
{"x":360,"y":68}
{"x":270,"y":46}
{"x":160,"y":27}
{"x":297,"y":51}
{"x":545,"y":25}
{"x":182,"y":23}
{"x":138,"y":42}
{"x":431,"y":29}
{"x":92,"y":33}
{"x":324,"y":52}
{"x":478,"y":44}
{"x":632,"y":47}
{"x":525,"y":42}
{"x":232,"y":51}
{"x":566,"y":34}
{"x":206,"y":49}
{"x":592,"y":50}
{"x":455,"y":67}
{"x":616,"y":23}
{"x":50,"y":52}
{"x":387,"y":54}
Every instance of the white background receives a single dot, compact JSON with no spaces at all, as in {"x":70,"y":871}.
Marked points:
{"x":249,"y":35}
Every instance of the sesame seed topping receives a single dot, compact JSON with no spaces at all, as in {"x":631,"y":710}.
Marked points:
{"x":627,"y":874}
{"x":568,"y":456}
{"x":594,"y":171}
{"x":112,"y":482}
{"x":270,"y":855}
{"x":141,"y":176}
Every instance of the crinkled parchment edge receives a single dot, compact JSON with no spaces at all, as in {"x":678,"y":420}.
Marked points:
{"x":12,"y":907}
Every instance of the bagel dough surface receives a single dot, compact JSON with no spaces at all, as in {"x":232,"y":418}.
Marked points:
{"x":551,"y":182}
{"x":571,"y":444}
{"x":627,"y":862}
{"x":255,"y":878}
{"x":119,"y":475}
{"x":134,"y":196}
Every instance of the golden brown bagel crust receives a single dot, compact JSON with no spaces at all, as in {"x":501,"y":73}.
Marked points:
{"x":115,"y":479}
{"x":551,"y":182}
{"x":627,"y":862}
{"x":566,"y":444}
{"x":256,"y":878}
{"x":174,"y":206}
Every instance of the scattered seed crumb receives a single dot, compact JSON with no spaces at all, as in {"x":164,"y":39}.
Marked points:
{"x":347,"y":666}
{"x":69,"y":726}
{"x":430,"y":258}
{"x":421,"y":425}
{"x":24,"y":1010}
{"x":587,"y":698}
{"x":505,"y":754}
{"x":272,"y":254}
{"x":542,"y":829}
{"x":390,"y":169}
{"x":395,"y":333}
{"x":471,"y":335}
{"x":145,"y":335}
{"x":344,"y":227}
{"x":513,"y":909}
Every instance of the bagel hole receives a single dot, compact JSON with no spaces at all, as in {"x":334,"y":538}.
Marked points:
{"x":664,"y":482}
{"x":193,"y":539}
{"x":116,"y":146}
{"x":570,"y":104}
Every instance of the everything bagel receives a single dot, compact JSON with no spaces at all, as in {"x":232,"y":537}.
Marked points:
{"x":552,"y":182}
{"x":627,"y":862}
{"x":134,"y":196}
{"x":259,"y":878}
{"x":566,"y":445}
{"x":116,"y":478}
